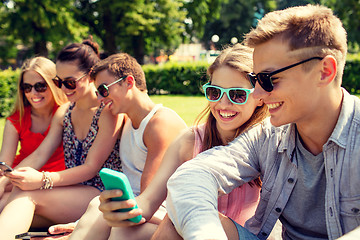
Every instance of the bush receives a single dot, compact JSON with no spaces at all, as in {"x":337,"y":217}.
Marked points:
{"x":351,"y":79}
{"x":176,"y":78}
{"x":8,"y":80}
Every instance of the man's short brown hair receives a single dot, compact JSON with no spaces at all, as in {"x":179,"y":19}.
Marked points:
{"x":120,"y":65}
{"x":312,"y":28}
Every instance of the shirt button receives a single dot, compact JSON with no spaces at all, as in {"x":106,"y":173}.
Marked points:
{"x":290,"y":180}
{"x":278,"y":209}
{"x":264,"y":234}
{"x":355,"y":210}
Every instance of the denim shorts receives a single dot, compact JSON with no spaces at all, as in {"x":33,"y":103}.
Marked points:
{"x":244,"y":234}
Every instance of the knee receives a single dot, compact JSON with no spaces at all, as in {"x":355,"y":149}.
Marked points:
{"x":166,"y":230}
{"x":94,"y":205}
{"x":18,"y":193}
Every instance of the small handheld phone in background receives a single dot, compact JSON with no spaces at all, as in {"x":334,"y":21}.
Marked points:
{"x":117,"y":180}
{"x":5,"y":168}
{"x":29,"y":235}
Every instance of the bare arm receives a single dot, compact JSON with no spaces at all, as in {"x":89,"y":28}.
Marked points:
{"x":153,"y":185}
{"x":179,"y":151}
{"x":29,"y":179}
{"x":8,"y":150}
{"x":9,"y":144}
{"x":100,"y":150}
{"x":162,"y":129}
{"x":48,"y":146}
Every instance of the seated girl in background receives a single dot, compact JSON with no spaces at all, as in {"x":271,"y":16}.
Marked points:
{"x":36,"y":101}
{"x":231,"y":110}
{"x":90,"y":136}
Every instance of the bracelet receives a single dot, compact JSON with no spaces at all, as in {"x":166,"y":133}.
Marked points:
{"x":47,"y":181}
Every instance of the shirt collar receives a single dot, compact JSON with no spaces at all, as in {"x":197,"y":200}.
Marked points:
{"x":287,"y":143}
{"x":343,"y":125}
{"x":339,"y":135}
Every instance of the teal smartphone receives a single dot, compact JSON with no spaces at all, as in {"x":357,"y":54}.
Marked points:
{"x":117,"y":180}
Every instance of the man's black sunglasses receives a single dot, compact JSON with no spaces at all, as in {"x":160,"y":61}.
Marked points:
{"x":265,"y":79}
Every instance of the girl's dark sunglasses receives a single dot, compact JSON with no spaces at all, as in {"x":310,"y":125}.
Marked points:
{"x":68,"y":83}
{"x":39,"y":87}
{"x":235,"y":95}
{"x":265,"y":79}
{"x":103,"y":89}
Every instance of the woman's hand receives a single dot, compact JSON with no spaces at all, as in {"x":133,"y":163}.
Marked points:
{"x":118,"y":219}
{"x":26,"y":178}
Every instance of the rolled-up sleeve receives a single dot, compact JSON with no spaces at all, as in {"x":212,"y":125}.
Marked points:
{"x":194,"y":188}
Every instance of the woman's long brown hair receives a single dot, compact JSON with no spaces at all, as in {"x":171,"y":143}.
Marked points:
{"x":238,"y":57}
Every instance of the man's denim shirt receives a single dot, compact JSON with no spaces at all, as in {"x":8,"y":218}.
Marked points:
{"x":267,"y":151}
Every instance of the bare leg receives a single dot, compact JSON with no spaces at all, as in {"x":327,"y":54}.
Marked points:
{"x":166,"y":229}
{"x":139,"y":232}
{"x":59,"y":205}
{"x":3,"y":200}
{"x":229,"y":227}
{"x":92,"y":224}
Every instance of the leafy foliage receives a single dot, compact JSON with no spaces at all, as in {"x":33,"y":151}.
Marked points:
{"x":8,"y":80}
{"x":176,"y":78}
{"x":37,"y":23}
{"x":137,"y":27}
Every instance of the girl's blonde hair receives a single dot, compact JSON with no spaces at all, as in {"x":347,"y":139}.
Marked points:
{"x":47,"y":70}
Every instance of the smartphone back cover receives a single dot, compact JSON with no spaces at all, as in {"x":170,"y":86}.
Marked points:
{"x":117,"y":180}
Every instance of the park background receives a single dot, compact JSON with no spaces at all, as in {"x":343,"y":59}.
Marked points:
{"x":174,"y":40}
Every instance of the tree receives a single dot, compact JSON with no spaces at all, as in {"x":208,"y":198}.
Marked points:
{"x":349,"y":13}
{"x":40,"y":25}
{"x":236,"y":19}
{"x":136,"y":27}
{"x":199,"y":13}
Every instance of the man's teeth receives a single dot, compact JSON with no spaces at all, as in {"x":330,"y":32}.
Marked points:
{"x":274,"y":105}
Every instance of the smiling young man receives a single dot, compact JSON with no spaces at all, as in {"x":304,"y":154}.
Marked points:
{"x":306,"y":153}
{"x":148,"y":130}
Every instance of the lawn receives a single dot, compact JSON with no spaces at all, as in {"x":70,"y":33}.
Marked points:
{"x":188,"y":107}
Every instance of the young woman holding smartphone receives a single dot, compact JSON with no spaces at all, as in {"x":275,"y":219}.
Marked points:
{"x":90,"y":135}
{"x":36,"y":101}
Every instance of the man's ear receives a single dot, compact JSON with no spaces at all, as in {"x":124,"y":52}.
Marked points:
{"x":130,"y":81}
{"x":328,"y":70}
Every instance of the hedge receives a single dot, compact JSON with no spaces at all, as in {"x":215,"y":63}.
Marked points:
{"x":170,"y":78}
{"x":8,"y":80}
{"x":176,"y":78}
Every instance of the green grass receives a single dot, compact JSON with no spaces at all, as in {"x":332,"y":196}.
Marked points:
{"x":188,"y":107}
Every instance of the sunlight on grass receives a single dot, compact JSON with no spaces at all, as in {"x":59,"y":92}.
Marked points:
{"x":188,"y":107}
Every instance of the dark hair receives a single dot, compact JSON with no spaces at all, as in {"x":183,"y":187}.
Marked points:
{"x":120,"y":65}
{"x":86,"y":53}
